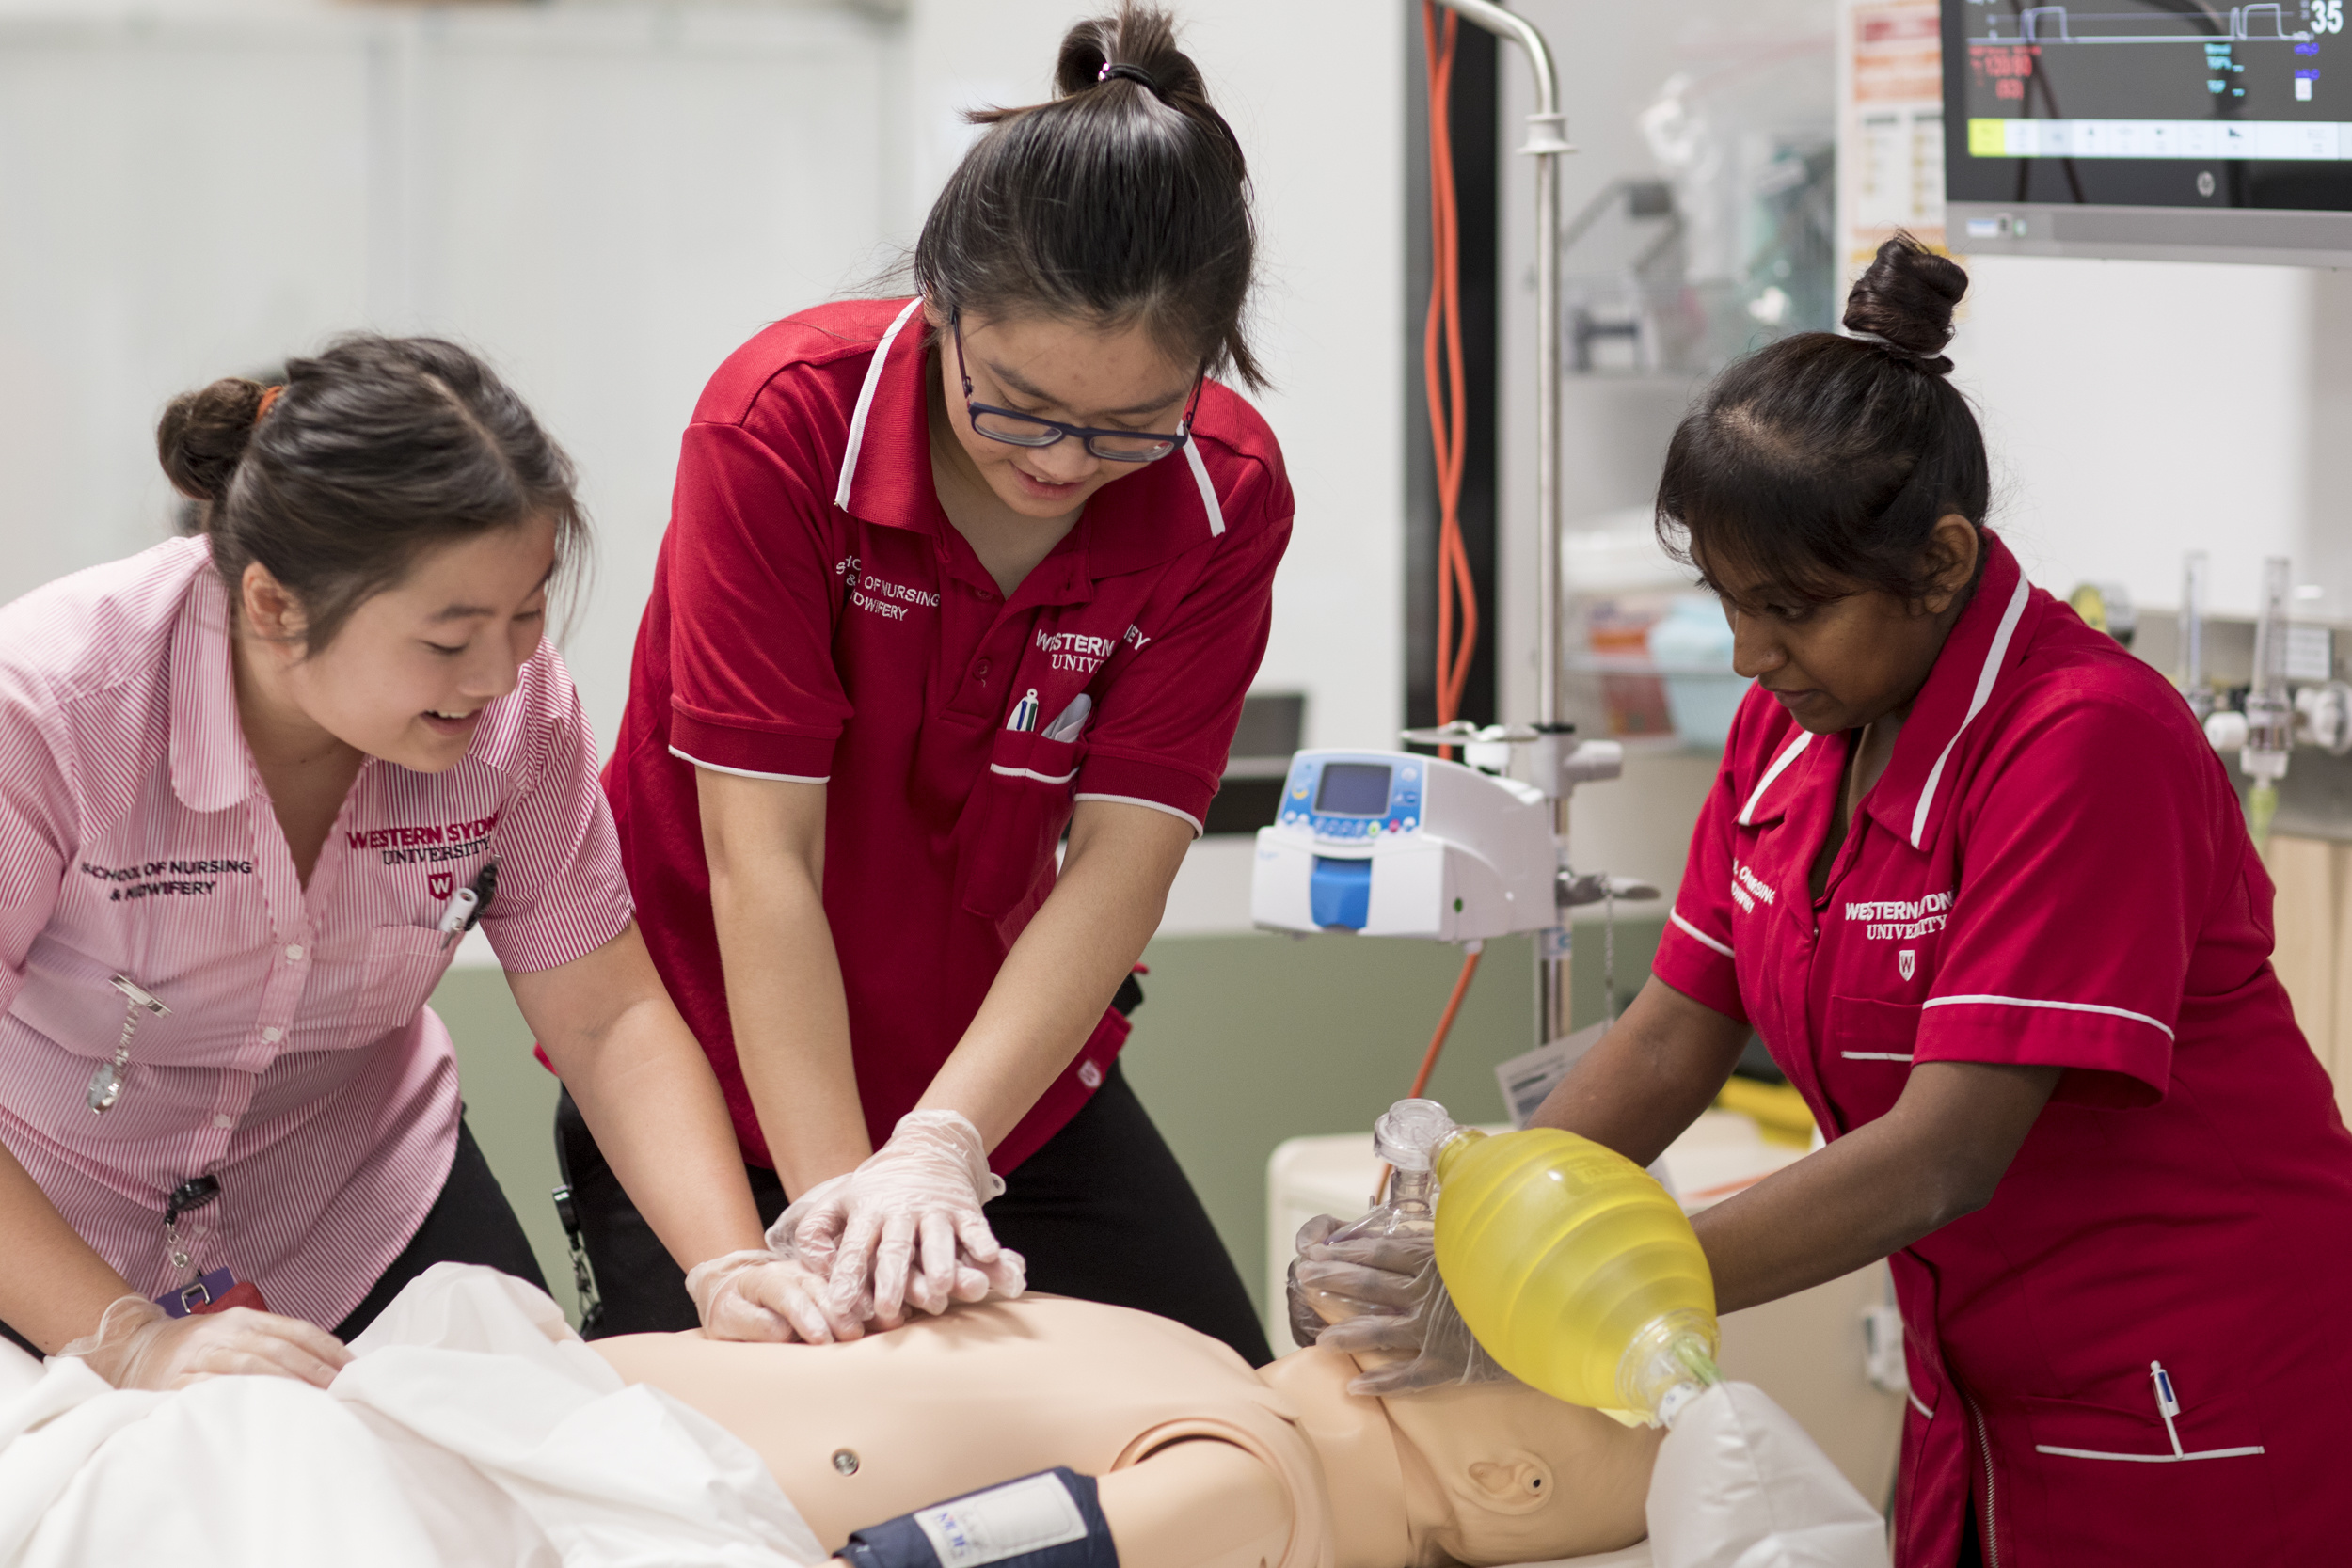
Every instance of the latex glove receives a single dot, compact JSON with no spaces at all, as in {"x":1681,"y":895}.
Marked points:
{"x":1333,"y":1282}
{"x":138,"y":1345}
{"x":1380,"y":1299}
{"x":769,"y":1296}
{"x":906,"y":1226}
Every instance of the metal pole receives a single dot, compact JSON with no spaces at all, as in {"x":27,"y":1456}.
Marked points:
{"x":1547,"y":143}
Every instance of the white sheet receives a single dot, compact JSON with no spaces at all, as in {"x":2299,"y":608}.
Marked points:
{"x":473,"y":1428}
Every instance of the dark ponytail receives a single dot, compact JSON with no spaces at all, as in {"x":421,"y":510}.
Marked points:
{"x":1821,"y":463}
{"x":370,"y":454}
{"x":1125,"y":200}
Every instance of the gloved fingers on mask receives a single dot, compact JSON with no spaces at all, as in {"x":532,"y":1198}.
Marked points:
{"x":1367,"y":1290}
{"x":1373,"y":1332}
{"x":1404,"y":1255}
{"x":1402,"y":1377}
{"x":1315,"y":1232}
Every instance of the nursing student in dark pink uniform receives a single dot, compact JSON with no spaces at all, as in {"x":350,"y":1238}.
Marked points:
{"x":1973,"y":873}
{"x":945,"y":577}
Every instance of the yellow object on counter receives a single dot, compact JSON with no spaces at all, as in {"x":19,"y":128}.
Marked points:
{"x":1777,"y":1109}
{"x":1575,"y":1269}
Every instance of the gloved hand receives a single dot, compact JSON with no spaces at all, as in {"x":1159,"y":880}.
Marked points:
{"x":137,"y":1345}
{"x":1380,"y":1299}
{"x":1353,"y":1277}
{"x":769,"y":1296}
{"x":906,"y":1225}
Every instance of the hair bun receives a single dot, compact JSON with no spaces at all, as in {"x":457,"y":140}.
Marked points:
{"x":1906,"y":299}
{"x":1139,"y":36}
{"x":203,"y":436}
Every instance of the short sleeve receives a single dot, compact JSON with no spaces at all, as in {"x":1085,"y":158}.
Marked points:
{"x":1167,"y":721}
{"x":1694,"y":954}
{"x":561,"y":894}
{"x":2086,"y":864}
{"x":752,"y":599}
{"x":37,"y":818}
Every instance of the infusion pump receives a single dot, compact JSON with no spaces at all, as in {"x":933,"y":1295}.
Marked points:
{"x":1396,"y":844}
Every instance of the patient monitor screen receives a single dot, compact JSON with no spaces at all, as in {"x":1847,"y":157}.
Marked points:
{"x":1353,"y":789}
{"x":2149,"y":102}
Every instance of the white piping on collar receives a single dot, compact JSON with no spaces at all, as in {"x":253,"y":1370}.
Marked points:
{"x":1780,"y":765}
{"x":865,"y":405}
{"x":1208,"y":491}
{"x":1985,"y":678}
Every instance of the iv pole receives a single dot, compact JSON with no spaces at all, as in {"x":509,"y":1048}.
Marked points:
{"x":1557,"y":767}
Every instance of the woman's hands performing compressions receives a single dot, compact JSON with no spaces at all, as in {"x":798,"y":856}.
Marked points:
{"x":908,"y":1217}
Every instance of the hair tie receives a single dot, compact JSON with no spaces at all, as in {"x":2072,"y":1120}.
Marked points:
{"x":1132,"y":74}
{"x":269,"y":398}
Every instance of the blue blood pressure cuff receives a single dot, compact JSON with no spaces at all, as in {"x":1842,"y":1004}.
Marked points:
{"x":1048,"y":1520}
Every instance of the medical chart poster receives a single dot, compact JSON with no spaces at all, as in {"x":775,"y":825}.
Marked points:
{"x":1890,"y":125}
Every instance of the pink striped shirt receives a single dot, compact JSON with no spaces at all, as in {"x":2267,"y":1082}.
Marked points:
{"x":300,"y":1063}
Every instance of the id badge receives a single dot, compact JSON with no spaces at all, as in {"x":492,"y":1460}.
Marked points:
{"x":216,"y":1292}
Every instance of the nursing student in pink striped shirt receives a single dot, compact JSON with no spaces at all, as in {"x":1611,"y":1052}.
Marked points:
{"x":253,"y":787}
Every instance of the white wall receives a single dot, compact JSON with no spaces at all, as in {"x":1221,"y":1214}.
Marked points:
{"x":603,"y":199}
{"x":1314,"y":91}
{"x":2139,"y":409}
{"x":606,"y":199}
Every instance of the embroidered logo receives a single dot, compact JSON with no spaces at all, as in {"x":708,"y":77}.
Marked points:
{"x":1908,"y":961}
{"x":1746,"y":888}
{"x":440,"y":884}
{"x":1901,"y":919}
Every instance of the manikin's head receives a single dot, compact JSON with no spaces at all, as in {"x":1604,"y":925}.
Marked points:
{"x":1511,"y":1475}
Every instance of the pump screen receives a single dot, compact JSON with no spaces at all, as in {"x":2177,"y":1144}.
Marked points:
{"x":1353,"y":789}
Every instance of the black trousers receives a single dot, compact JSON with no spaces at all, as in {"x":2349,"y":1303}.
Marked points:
{"x":1102,"y":1212}
{"x":471,"y":1222}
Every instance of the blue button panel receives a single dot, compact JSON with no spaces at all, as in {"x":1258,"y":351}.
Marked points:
{"x":1340,"y":893}
{"x":1401,"y":814}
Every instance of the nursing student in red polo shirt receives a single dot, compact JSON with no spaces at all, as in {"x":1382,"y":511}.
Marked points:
{"x":253,"y":788}
{"x":946,"y":575}
{"x":1972,"y":872}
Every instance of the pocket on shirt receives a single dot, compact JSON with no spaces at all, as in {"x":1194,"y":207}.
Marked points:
{"x":1006,"y":836}
{"x":403,"y":965}
{"x":1865,"y":1057}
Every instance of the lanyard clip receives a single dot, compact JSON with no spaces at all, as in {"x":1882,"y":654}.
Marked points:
{"x":105,"y":1084}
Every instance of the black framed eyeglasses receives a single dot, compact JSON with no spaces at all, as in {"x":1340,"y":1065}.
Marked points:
{"x":1015,"y":428}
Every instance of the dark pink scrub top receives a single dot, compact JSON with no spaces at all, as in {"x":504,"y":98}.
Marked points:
{"x":2056,"y":870}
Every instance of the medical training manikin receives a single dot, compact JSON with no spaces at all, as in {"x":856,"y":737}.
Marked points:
{"x":473,"y":1428}
{"x":1309,"y":1475}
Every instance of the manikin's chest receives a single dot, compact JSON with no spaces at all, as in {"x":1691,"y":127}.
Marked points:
{"x":864,"y":1431}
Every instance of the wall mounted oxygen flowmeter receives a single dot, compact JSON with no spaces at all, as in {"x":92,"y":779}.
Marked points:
{"x":1396,"y":844}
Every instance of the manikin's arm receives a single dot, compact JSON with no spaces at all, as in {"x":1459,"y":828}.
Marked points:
{"x":1201,"y":1504}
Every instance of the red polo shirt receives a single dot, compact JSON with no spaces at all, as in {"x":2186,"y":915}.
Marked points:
{"x":2054,"y":870}
{"x":814,"y":617}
